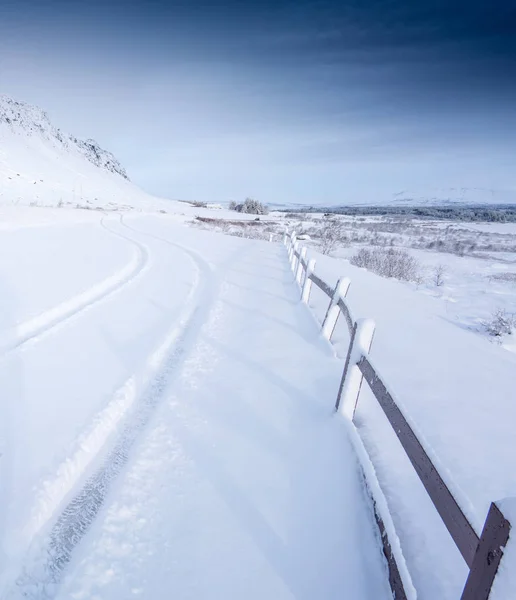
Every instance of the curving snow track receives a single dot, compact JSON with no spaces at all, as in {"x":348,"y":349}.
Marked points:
{"x":109,"y":438}
{"x":40,"y":325}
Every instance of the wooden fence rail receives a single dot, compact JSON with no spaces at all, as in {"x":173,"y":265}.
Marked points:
{"x":482,"y":555}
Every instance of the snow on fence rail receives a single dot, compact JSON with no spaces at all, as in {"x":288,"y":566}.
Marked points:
{"x":482,"y":555}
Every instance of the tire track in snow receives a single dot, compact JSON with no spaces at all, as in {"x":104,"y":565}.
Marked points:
{"x":32,"y":329}
{"x":44,"y":572}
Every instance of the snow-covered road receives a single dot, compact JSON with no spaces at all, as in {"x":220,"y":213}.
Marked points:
{"x":168,"y":428}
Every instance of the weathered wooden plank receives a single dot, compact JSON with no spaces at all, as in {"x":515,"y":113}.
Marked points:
{"x":322,"y":285}
{"x":456,"y":522}
{"x":395,"y":581}
{"x":346,"y":365}
{"x":488,"y":555}
{"x":347,"y":315}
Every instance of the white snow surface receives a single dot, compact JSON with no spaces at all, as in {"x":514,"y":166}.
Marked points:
{"x":166,"y":424}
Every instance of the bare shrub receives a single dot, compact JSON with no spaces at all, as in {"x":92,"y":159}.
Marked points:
{"x":388,"y":262}
{"x":200,"y":204}
{"x":500,"y":323}
{"x":438,"y":275}
{"x":331,"y":235}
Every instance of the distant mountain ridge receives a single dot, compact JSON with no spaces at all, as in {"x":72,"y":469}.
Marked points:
{"x":428,"y":197}
{"x":30,"y":120}
{"x":454,"y":196}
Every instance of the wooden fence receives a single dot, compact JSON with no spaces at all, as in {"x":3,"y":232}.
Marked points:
{"x":482,"y":555}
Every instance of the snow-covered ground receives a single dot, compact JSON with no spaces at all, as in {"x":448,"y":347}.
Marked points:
{"x":166,"y":421}
{"x":169,"y":417}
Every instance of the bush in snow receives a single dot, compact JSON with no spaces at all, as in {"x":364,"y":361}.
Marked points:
{"x":388,"y":262}
{"x":438,"y":275}
{"x":500,"y":323}
{"x":250,"y":206}
{"x":331,"y":235}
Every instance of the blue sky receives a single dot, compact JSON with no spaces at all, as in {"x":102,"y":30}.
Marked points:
{"x":308,"y":101}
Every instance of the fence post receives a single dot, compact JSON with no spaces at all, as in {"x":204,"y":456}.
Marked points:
{"x":495,"y":535}
{"x":332,"y":314}
{"x":294,"y":257}
{"x":351,"y":382}
{"x":291,"y":247}
{"x":307,"y":286}
{"x":299,"y":273}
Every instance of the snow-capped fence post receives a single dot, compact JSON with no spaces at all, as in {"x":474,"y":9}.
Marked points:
{"x":293,"y":242}
{"x":292,"y":237}
{"x":295,"y":257}
{"x":351,"y":382}
{"x":332,"y":314}
{"x":307,"y":286}
{"x":300,"y":266}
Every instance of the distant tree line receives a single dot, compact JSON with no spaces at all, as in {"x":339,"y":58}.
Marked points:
{"x":487,"y":213}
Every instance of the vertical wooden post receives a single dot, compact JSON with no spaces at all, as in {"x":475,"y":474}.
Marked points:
{"x":351,"y":382}
{"x":332,"y":314}
{"x":291,"y":247}
{"x":299,"y":273}
{"x":488,"y":555}
{"x":294,"y":257}
{"x":307,"y":286}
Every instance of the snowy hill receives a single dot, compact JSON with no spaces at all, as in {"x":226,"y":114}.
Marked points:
{"x":42,"y":165}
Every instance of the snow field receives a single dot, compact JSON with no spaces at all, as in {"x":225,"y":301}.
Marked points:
{"x":174,"y":436}
{"x":244,"y":451}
